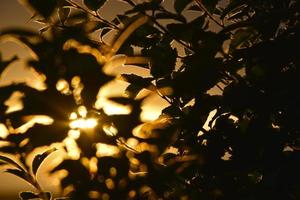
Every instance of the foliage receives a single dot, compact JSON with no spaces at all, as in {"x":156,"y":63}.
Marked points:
{"x":229,"y":76}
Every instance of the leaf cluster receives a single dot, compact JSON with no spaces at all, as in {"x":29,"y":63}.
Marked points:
{"x":229,"y":77}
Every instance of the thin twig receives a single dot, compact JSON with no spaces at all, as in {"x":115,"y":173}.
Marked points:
{"x":202,"y":7}
{"x":96,"y":15}
{"x":161,"y":95}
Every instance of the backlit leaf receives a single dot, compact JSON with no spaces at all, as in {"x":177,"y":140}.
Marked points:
{"x":38,"y":159}
{"x":11,"y":162}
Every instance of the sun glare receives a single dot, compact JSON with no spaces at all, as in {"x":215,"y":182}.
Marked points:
{"x":83,"y":123}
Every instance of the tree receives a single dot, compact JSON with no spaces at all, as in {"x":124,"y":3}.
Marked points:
{"x":241,"y":142}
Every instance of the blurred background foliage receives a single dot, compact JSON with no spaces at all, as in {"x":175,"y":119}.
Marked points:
{"x":229,"y":77}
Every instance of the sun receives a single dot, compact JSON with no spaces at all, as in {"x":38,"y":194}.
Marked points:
{"x":82,"y":123}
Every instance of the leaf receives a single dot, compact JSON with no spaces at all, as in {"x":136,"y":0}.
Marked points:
{"x":194,"y":8}
{"x":94,"y":4}
{"x":168,"y":15}
{"x":141,"y":8}
{"x":11,"y":162}
{"x":127,"y":1}
{"x":31,"y":195}
{"x":210,"y":4}
{"x":28,"y":195}
{"x":133,"y":78}
{"x":38,"y":159}
{"x":44,"y":7}
{"x":137,"y":83}
{"x":21,"y":174}
{"x":63,"y":14}
{"x":5,"y":63}
{"x":232,"y":7}
{"x":121,"y":100}
{"x":240,"y":37}
{"x":132,"y":90}
{"x":163,"y":59}
{"x":180,"y":5}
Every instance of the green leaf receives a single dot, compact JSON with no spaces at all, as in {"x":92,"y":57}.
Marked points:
{"x":44,"y":7}
{"x":38,"y":159}
{"x":180,"y":5}
{"x":11,"y":162}
{"x":94,"y":4}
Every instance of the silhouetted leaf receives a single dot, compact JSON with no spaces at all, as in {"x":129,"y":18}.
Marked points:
{"x":141,"y":8}
{"x":122,"y":100}
{"x":163,"y":58}
{"x":5,"y":63}
{"x":169,"y":15}
{"x":94,"y":4}
{"x":137,"y":83}
{"x":11,"y":162}
{"x":28,"y":195}
{"x":38,"y":159}
{"x":31,"y":195}
{"x":133,"y":90}
{"x":44,"y":7}
{"x":21,"y":174}
{"x":180,"y":5}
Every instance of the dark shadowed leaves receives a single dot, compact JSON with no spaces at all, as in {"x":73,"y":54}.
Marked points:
{"x":163,"y":58}
{"x":38,"y":159}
